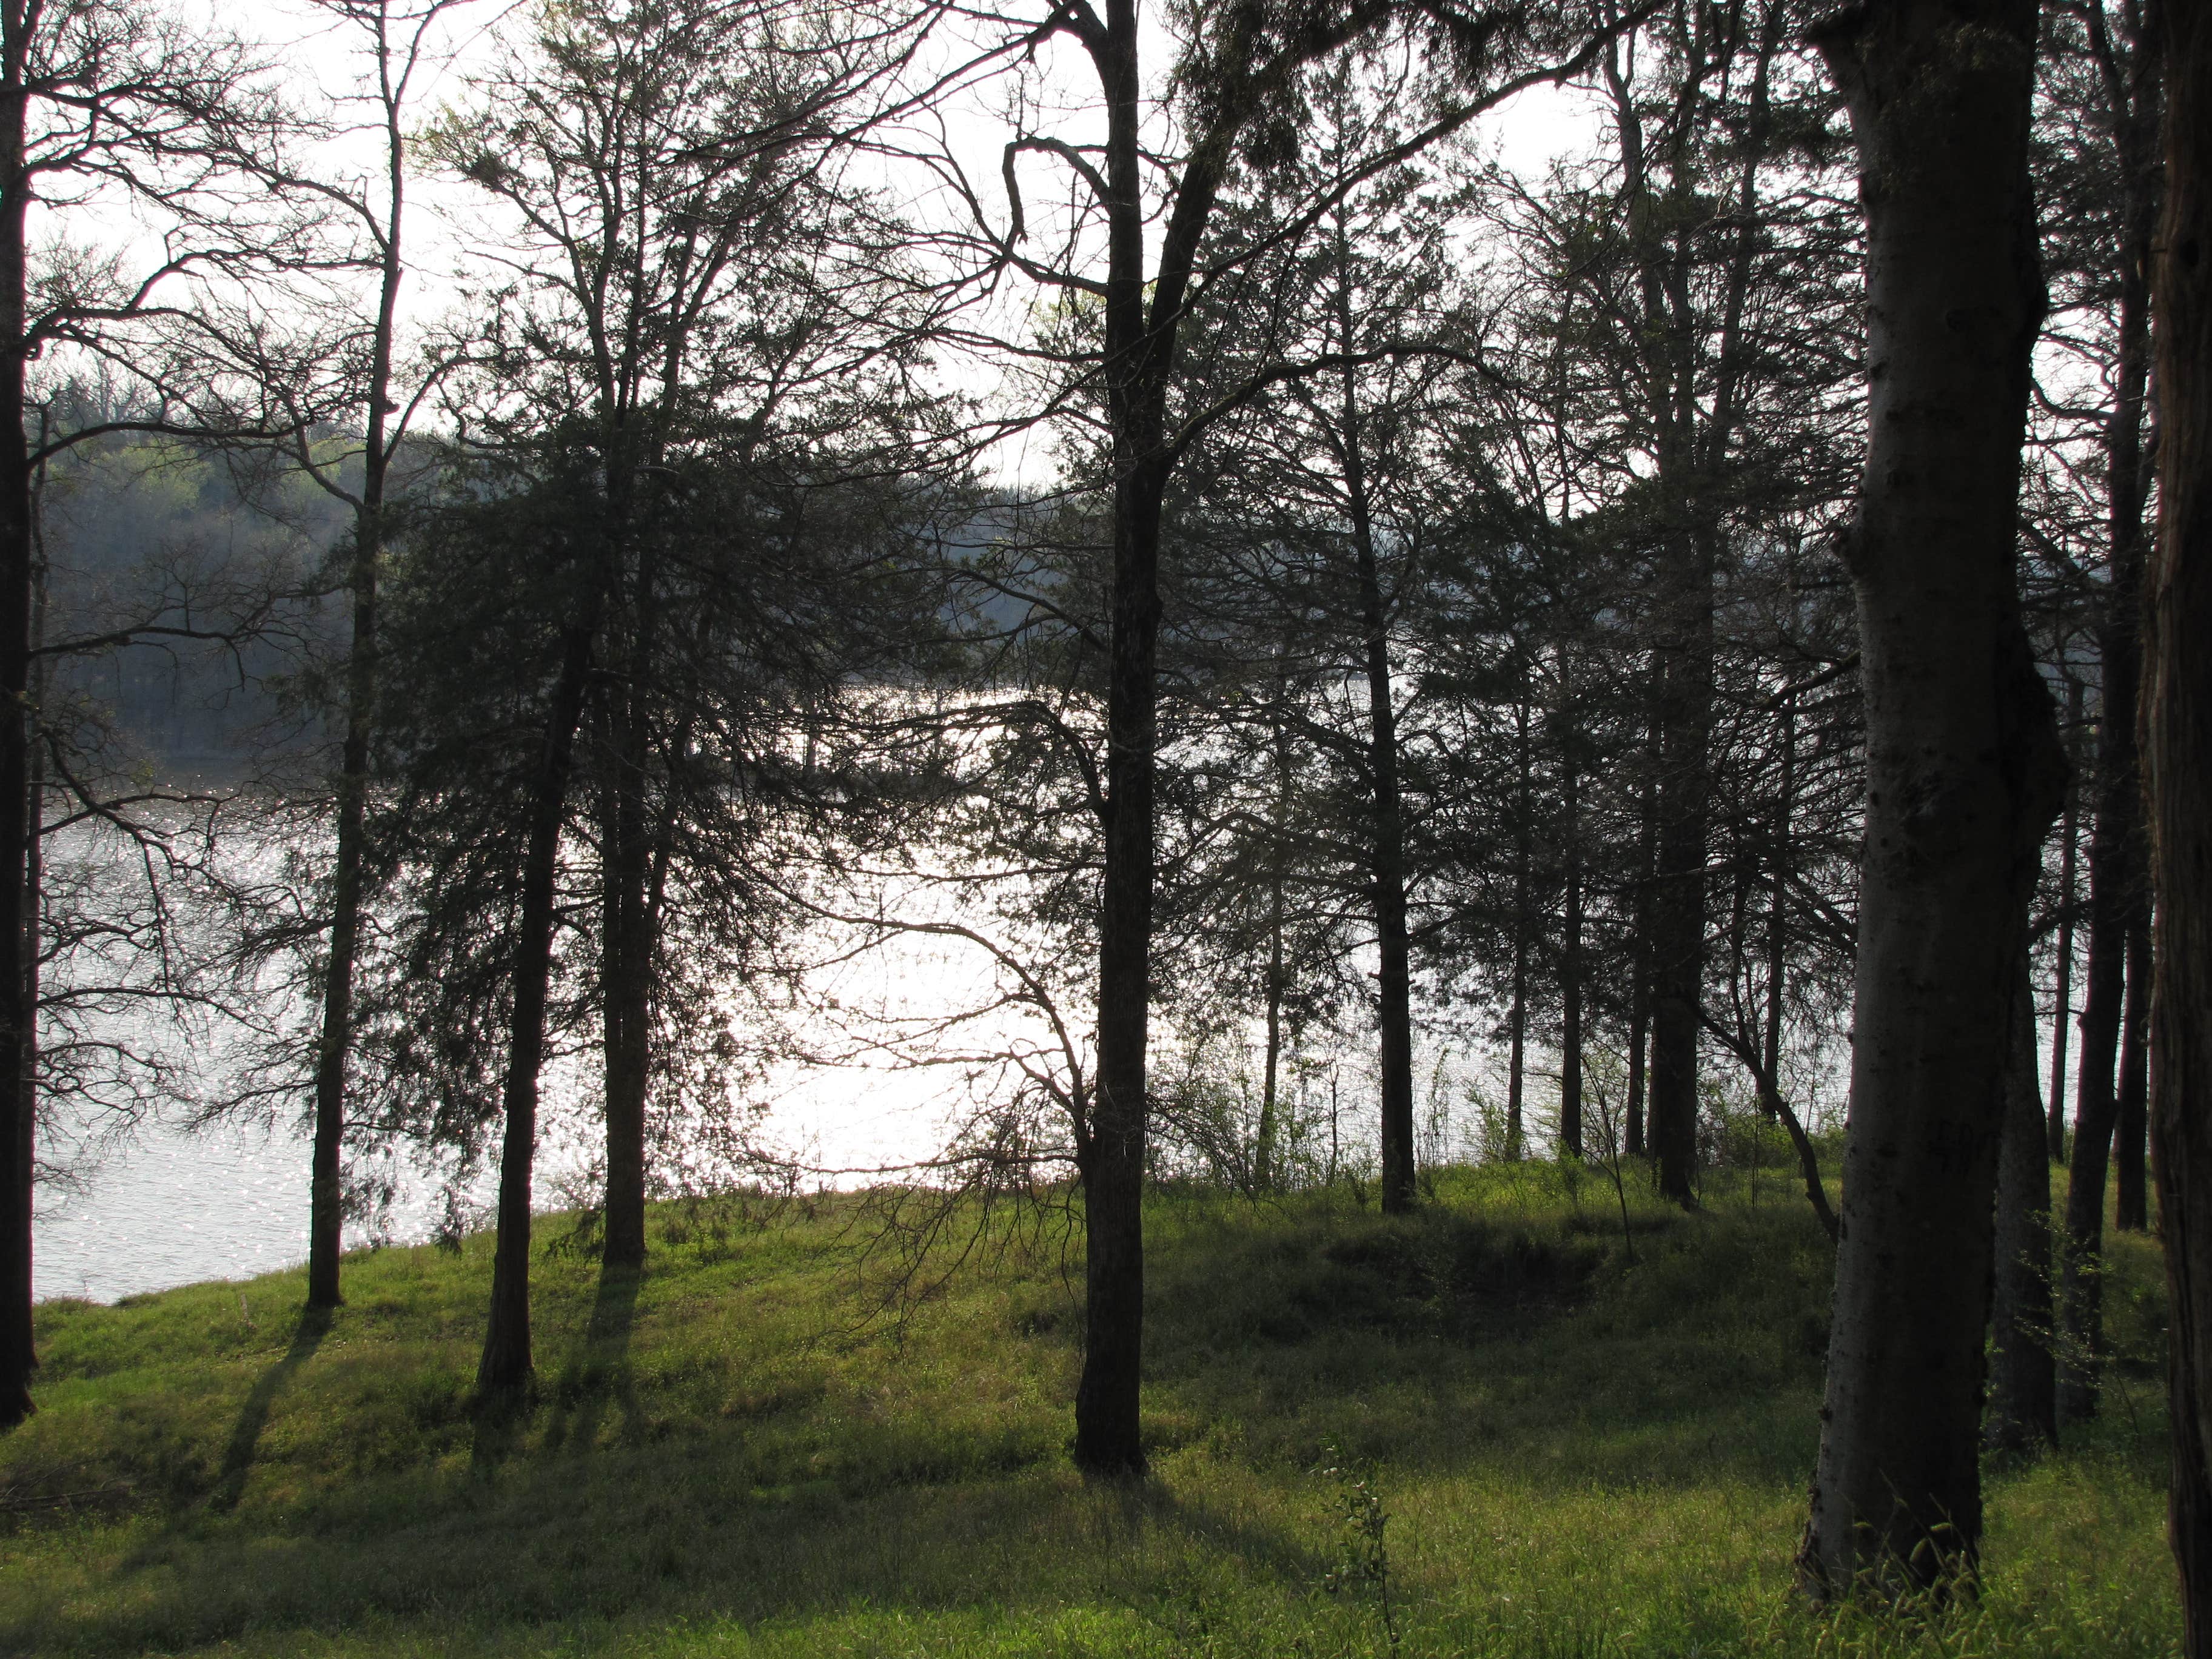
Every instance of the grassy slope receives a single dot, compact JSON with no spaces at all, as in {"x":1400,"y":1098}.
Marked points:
{"x":1576,"y":1456}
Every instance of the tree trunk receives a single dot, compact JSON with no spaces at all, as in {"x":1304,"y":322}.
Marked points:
{"x":2131,"y":1129}
{"x":1110,"y":1155}
{"x":1263,"y":1152}
{"x":2063,"y":1019}
{"x":1387,"y":847}
{"x":1636,"y":1029}
{"x":334,"y":1053}
{"x":2096,"y":1096}
{"x":1571,"y":940}
{"x":326,"y":1194}
{"x":1963,"y":775}
{"x":1112,"y":1159}
{"x":2023,"y":1407}
{"x":506,"y":1365}
{"x":1678,"y":908}
{"x":625,"y":1003}
{"x":1778,"y":905}
{"x":18,"y":1353}
{"x":1639,"y":989}
{"x":1516,"y":1018}
{"x":1264,"y":1162}
{"x":2114,"y":876}
{"x":630,"y":929}
{"x":2178,"y":736}
{"x":2116,"y":851}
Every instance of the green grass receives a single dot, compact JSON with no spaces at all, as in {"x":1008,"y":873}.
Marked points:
{"x":1576,"y":1456}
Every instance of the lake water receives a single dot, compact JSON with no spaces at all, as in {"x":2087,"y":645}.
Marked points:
{"x":163,"y":1208}
{"x":173,"y":1209}
{"x":168,"y":1207}
{"x":897,"y":1040}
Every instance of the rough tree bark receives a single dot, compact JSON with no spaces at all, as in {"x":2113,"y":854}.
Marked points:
{"x":2130,"y":1122}
{"x":2177,"y":741}
{"x":1964,"y":773}
{"x":2023,"y":1417}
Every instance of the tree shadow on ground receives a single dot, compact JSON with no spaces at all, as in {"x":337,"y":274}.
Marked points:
{"x":598,"y":1371}
{"x":238,"y":1458}
{"x":661,"y":1537}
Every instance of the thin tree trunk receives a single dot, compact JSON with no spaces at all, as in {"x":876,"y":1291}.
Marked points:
{"x":2178,"y":736}
{"x":326,"y":1205}
{"x":630,"y":941}
{"x":1963,"y":775}
{"x":1386,"y":829}
{"x":2131,"y":1130}
{"x":1571,"y":940}
{"x":1112,"y":1158}
{"x":2096,"y":1096}
{"x":2022,"y":1414}
{"x":1394,"y":985}
{"x":334,"y":1050}
{"x":1264,"y":1156}
{"x":1142,"y":313}
{"x":1110,"y":1154}
{"x":18,"y":1353}
{"x":1778,"y":903}
{"x":1639,"y":989}
{"x":2116,"y":850}
{"x":506,"y":1364}
{"x":625,"y":997}
{"x":34,"y":810}
{"x":1808,"y":1160}
{"x":2063,"y":1019}
{"x":1517,"y":1016}
{"x":1263,"y":1153}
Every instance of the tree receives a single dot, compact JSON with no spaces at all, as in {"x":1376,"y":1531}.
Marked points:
{"x":1307,"y":531}
{"x":397,"y":36}
{"x":2178,"y":731}
{"x":2023,"y":1405}
{"x":676,"y":281}
{"x":115,"y":103}
{"x":1679,"y":300}
{"x":2121,"y":72}
{"x":1963,"y":775}
{"x":1240,"y":80}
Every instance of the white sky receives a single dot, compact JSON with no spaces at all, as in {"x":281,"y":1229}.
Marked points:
{"x":450,"y":220}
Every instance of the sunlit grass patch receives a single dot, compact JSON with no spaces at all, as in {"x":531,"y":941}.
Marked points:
{"x":744,"y":1450}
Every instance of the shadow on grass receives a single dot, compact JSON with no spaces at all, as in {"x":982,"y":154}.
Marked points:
{"x":238,"y":1457}
{"x":598,"y":1371}
{"x":656,"y":1538}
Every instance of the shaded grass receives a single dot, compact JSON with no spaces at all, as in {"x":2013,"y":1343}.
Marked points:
{"x":1578,"y":1456}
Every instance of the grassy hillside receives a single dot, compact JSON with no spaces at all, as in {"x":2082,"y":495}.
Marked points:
{"x":741,"y":1452}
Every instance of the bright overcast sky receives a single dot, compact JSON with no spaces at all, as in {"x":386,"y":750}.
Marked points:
{"x":449,"y":219}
